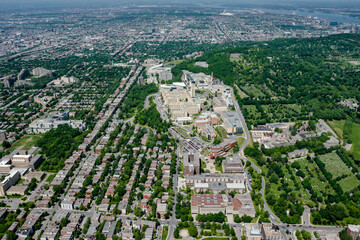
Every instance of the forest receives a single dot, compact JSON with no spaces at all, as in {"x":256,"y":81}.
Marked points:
{"x":136,"y":98}
{"x":288,"y":79}
{"x":57,"y":145}
{"x":151,"y":117}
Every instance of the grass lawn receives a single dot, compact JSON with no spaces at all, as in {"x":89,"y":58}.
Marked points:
{"x":221,"y":132}
{"x":338,"y":127}
{"x":219,"y":168}
{"x":334,"y":165}
{"x":176,"y":62}
{"x":240,"y":141}
{"x":349,"y":183}
{"x":50,"y":178}
{"x":216,"y":238}
{"x":165,"y":232}
{"x":355,"y":137}
{"x":251,"y":143}
{"x":25,"y":143}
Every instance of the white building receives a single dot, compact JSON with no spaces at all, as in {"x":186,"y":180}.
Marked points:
{"x":44,"y":125}
{"x":67,"y":204}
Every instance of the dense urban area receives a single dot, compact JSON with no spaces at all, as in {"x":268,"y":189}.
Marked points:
{"x":154,"y":122}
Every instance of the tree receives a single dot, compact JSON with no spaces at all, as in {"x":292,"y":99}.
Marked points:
{"x":11,"y":235}
{"x":176,"y":233}
{"x":344,"y":236}
{"x":306,"y":235}
{"x":246,"y":219}
{"x":193,"y":231}
{"x":63,"y":222}
{"x":300,"y":173}
{"x":138,"y":212}
{"x":236,"y":148}
{"x":6,"y":144}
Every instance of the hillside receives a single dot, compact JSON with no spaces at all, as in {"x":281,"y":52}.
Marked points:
{"x":289,"y":79}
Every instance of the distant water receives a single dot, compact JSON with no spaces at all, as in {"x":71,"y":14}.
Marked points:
{"x":327,"y":16}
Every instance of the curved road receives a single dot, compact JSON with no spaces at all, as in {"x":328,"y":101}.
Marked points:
{"x":273,"y":218}
{"x":243,"y":122}
{"x":146,"y":104}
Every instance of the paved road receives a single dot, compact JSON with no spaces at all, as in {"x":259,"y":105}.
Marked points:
{"x":306,"y":216}
{"x":243,"y":122}
{"x":173,"y":220}
{"x":159,"y":107}
{"x":146,"y":104}
{"x":273,"y":217}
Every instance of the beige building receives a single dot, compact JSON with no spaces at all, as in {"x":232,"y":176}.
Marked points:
{"x":216,"y":183}
{"x":270,"y":231}
{"x":261,"y":134}
{"x":161,"y":209}
{"x":232,"y":165}
{"x":178,"y":100}
{"x":19,"y":190}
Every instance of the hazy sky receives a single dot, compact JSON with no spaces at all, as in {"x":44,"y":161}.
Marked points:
{"x":35,"y":4}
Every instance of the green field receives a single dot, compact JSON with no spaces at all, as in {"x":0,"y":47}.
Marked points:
{"x":25,"y":143}
{"x":349,"y":183}
{"x":334,"y":165}
{"x":216,"y":238}
{"x":355,"y":137}
{"x":338,"y":127}
{"x":176,"y":62}
{"x":165,"y":232}
{"x":267,"y":90}
{"x":241,"y":93}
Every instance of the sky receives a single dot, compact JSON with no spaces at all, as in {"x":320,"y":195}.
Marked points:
{"x":38,"y":4}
